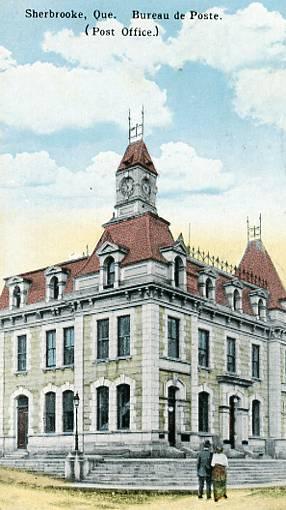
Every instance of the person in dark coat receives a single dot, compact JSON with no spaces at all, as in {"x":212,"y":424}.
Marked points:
{"x":204,"y":470}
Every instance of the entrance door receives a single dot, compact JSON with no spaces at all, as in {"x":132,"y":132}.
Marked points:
{"x":172,"y":415}
{"x":22,"y":421}
{"x":232,"y":420}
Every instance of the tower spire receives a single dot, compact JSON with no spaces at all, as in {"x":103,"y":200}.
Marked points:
{"x":136,"y":131}
{"x":255,"y":231}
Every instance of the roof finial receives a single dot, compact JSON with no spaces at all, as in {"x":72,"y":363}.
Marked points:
{"x":136,"y":132}
{"x":254,"y":232}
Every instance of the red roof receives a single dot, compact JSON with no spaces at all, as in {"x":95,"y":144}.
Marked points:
{"x":37,"y":290}
{"x":137,"y":154}
{"x":141,"y":236}
{"x":256,"y":260}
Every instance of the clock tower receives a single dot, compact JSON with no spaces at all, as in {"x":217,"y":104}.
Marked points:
{"x":136,"y":179}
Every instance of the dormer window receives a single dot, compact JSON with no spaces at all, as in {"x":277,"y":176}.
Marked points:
{"x":206,"y":280}
{"x":54,"y":288}
{"x":110,"y":255}
{"x":109,"y":272}
{"x":258,"y":300}
{"x":178,"y":272}
{"x":18,"y":291}
{"x":176,"y":255}
{"x":233,"y":291}
{"x":16,"y":297}
{"x":56,"y":279}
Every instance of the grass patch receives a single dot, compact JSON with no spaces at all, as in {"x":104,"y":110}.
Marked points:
{"x":276,"y":492}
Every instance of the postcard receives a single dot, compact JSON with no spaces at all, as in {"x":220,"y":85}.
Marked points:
{"x":143,"y":266}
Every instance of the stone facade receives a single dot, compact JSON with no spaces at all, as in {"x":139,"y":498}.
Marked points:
{"x":161,"y":348}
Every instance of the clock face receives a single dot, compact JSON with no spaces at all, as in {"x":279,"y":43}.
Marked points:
{"x":127,"y":186}
{"x":146,"y":187}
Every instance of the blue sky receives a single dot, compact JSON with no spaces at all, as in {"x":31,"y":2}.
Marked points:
{"x":215,"y":108}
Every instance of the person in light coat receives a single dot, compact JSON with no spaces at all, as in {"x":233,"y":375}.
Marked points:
{"x":219,"y":465}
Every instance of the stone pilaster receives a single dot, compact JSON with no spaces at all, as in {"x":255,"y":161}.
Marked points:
{"x":274,"y":363}
{"x":150,"y":367}
{"x":194,"y":379}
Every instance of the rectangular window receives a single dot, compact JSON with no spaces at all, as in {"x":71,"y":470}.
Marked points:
{"x":231,"y":355}
{"x":102,"y":338}
{"x":50,"y":421}
{"x":173,"y":337}
{"x":51,"y":348}
{"x":203,"y":348}
{"x":255,"y":361}
{"x":68,"y":346}
{"x":22,"y":353}
{"x":123,"y":332}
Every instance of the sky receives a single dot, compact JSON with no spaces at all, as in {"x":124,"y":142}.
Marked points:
{"x":213,"y":91}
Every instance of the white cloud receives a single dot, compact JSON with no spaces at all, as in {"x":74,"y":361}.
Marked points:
{"x":46,"y":98}
{"x":183,"y":171}
{"x":260,"y":94}
{"x":6,"y":60}
{"x":27,"y":169}
{"x":246,"y":38}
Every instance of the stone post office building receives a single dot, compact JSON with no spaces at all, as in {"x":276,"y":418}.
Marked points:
{"x":164,"y":345}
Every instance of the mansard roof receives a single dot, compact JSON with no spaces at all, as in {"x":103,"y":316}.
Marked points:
{"x":141,"y":236}
{"x":257,"y":260}
{"x":37,"y":279}
{"x":137,"y":154}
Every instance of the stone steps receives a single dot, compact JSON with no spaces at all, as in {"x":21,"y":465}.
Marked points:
{"x":118,"y":472}
{"x":49,"y":466}
{"x":160,"y":473}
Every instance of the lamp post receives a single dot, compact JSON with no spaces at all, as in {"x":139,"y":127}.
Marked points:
{"x":76,"y":404}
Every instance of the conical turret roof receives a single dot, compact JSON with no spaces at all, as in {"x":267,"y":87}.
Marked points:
{"x":256,"y":260}
{"x":137,"y":154}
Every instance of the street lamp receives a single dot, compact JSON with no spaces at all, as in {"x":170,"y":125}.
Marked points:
{"x":76,"y":404}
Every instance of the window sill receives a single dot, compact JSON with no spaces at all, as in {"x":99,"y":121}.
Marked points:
{"x":256,"y":379}
{"x":206,"y":369}
{"x":21,"y":372}
{"x":54,"y":369}
{"x":107,"y":360}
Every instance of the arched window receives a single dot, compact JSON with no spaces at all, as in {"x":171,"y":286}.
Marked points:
{"x":261,"y":309}
{"x":50,"y":412}
{"x":255,"y":418}
{"x":203,"y":411}
{"x":68,"y":411}
{"x":123,"y":407}
{"x":17,"y":296}
{"x":102,"y":394}
{"x":109,"y":272}
{"x":236,"y":300}
{"x":209,"y":288}
{"x":54,"y":286}
{"x":178,"y":271}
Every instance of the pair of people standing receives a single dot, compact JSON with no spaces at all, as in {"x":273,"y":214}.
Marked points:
{"x":211,"y":468}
